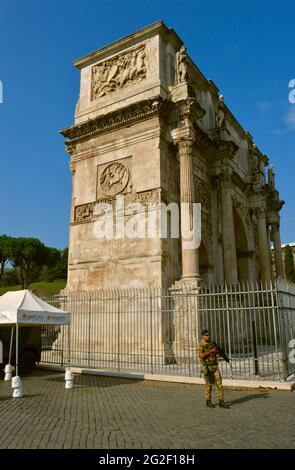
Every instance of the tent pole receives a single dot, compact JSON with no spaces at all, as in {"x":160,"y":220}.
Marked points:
{"x":10,"y":346}
{"x":16,"y":350}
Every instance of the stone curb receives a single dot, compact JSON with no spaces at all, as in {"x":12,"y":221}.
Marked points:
{"x":253,"y":384}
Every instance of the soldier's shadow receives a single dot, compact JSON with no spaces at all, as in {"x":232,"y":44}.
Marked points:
{"x":247,"y":398}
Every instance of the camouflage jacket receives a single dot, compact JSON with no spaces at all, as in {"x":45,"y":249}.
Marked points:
{"x":211,"y":361}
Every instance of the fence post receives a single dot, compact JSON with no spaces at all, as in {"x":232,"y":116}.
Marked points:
{"x":227,"y":319}
{"x":151,"y":326}
{"x":256,"y":365}
{"x":62,"y":345}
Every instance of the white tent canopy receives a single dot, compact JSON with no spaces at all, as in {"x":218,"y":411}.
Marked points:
{"x":24,"y":308}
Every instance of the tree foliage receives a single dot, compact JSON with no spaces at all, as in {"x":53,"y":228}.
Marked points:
{"x":289,"y":264}
{"x":31,"y":260}
{"x":29,"y":255}
{"x":5,"y":251}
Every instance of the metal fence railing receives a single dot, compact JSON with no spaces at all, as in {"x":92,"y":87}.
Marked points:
{"x":156,"y":331}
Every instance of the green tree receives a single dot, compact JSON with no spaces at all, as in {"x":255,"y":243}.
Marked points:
{"x":289,"y":264}
{"x":29,"y":255}
{"x":5,"y":251}
{"x":63,"y":264}
{"x":56,"y":266}
{"x":10,"y":277}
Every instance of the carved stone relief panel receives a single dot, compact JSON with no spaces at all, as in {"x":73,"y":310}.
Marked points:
{"x":84,"y":212}
{"x":118,"y":72}
{"x":114,"y":178}
{"x":88,"y":212}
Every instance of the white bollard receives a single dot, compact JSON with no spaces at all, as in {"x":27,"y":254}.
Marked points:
{"x":16,"y":384}
{"x":8,"y":372}
{"x":18,"y":392}
{"x":69,"y":378}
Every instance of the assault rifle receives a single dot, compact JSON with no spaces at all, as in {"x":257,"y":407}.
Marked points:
{"x":221,"y":352}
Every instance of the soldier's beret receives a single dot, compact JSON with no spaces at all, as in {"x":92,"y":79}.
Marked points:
{"x":205,"y":331}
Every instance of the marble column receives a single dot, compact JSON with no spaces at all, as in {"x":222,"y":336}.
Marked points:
{"x":190,"y":259}
{"x":278,"y":250}
{"x":263,"y":246}
{"x":228,"y":229}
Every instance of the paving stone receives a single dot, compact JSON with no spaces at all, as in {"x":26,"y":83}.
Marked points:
{"x":109,"y":413}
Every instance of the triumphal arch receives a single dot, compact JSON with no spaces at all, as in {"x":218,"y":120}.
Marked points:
{"x":151,"y":127}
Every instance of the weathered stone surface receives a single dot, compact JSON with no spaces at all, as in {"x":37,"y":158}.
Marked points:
{"x":150,"y":127}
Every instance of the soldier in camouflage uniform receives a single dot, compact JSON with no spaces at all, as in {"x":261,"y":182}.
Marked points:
{"x":208,"y":358}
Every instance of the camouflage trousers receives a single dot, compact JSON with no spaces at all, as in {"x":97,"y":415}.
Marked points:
{"x":213,"y":377}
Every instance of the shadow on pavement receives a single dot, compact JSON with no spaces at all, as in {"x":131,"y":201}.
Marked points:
{"x":25,"y":396}
{"x":42,"y":373}
{"x":247,"y":398}
{"x":94,"y":381}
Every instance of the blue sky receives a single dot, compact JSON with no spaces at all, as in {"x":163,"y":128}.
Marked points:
{"x":246,"y":47}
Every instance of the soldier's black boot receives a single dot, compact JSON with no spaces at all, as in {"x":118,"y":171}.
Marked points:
{"x":223,"y":405}
{"x":209,"y":404}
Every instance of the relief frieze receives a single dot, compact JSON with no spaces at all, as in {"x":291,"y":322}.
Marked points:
{"x":118,"y":72}
{"x":88,"y":213}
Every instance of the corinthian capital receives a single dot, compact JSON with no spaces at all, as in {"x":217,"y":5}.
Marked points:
{"x":191,"y":109}
{"x":185,"y":146}
{"x":184,"y":139}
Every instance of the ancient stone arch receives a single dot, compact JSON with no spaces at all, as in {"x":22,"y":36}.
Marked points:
{"x":152,"y":137}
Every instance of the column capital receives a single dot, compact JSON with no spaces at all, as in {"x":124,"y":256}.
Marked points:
{"x":185,"y":147}
{"x":190,"y":108}
{"x":182,"y":135}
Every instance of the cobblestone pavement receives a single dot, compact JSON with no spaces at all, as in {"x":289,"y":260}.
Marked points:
{"x":106,"y":412}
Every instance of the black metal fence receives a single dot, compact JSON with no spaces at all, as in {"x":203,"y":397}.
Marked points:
{"x":150,"y":330}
